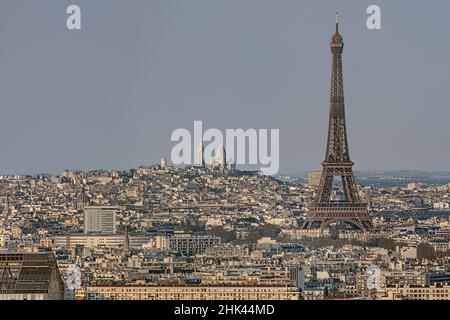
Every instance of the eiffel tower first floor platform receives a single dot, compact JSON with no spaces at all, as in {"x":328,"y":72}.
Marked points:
{"x":321,"y":217}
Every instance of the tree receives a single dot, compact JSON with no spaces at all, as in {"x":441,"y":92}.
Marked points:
{"x":386,"y":243}
{"x":269,"y":231}
{"x":425,"y":251}
{"x":252,"y":237}
{"x":226,"y":236}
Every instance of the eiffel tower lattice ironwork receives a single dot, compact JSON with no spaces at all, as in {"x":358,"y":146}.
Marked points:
{"x":349,"y":208}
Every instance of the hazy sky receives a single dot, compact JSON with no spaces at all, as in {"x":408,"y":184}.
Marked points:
{"x":110,"y":95}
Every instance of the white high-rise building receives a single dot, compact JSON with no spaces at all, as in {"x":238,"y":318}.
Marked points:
{"x":100,"y":220}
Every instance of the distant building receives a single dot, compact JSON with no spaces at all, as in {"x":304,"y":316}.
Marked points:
{"x":163,"y":162}
{"x":441,"y":205}
{"x":267,"y":240}
{"x":157,"y":242}
{"x":313,"y":294}
{"x":306,"y":233}
{"x":97,"y":240}
{"x":410,"y":292}
{"x":405,"y":278}
{"x":367,"y":197}
{"x":297,"y":277}
{"x":437,"y":279}
{"x":412,"y":186}
{"x":30,"y":276}
{"x":187,"y":293}
{"x":314,"y":178}
{"x":5,"y":210}
{"x":100,"y":220}
{"x":409,"y":252}
{"x":192,"y":245}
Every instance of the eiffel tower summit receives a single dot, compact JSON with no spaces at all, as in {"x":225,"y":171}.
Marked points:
{"x":329,"y":206}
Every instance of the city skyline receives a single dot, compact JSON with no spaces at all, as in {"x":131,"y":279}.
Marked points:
{"x":100,"y":98}
{"x":157,"y":150}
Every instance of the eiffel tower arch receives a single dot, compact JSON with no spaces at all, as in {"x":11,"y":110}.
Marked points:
{"x":349,"y":208}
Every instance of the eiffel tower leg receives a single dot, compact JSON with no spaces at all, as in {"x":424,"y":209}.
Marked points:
{"x":305,"y":225}
{"x":367,"y":224}
{"x":358,"y":224}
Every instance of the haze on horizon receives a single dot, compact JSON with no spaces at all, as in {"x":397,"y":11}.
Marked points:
{"x":110,"y":95}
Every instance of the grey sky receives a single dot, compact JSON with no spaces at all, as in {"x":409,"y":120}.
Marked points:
{"x":110,"y":95}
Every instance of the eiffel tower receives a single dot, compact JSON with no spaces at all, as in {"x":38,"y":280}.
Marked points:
{"x":348,"y":208}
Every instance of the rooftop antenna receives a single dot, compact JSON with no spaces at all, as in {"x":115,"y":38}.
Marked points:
{"x":337,"y":22}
